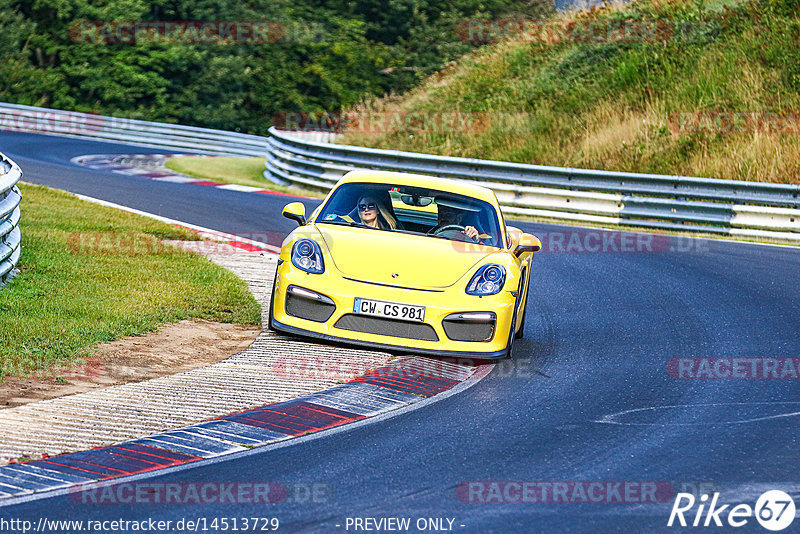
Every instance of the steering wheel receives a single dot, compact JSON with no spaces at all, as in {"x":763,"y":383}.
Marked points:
{"x":454,"y":231}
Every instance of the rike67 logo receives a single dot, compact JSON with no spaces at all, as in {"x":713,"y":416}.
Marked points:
{"x":774,"y":510}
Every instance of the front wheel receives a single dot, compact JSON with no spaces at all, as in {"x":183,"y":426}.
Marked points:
{"x":272,"y":302}
{"x":511,"y":333}
{"x":511,"y":337}
{"x":521,"y":331}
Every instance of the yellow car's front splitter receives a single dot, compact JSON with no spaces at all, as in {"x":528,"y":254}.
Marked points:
{"x":322,"y":306}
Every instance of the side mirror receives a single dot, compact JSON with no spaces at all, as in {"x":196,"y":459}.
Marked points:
{"x":296,"y":212}
{"x":527,"y":243}
{"x":513,"y":234}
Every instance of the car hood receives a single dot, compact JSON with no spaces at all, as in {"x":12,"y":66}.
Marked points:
{"x":400,"y":259}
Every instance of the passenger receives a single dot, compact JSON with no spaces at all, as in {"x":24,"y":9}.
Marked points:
{"x":374,"y":214}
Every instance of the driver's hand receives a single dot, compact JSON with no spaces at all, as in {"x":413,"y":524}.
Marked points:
{"x":471,"y":232}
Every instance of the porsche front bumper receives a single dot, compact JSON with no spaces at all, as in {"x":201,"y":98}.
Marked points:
{"x":321,"y":306}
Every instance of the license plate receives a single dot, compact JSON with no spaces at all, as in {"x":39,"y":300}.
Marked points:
{"x":392,"y":310}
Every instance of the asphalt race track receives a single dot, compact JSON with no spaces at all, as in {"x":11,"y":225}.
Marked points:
{"x":594,"y":393}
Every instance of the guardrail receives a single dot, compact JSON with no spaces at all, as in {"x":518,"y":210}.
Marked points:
{"x":704,"y":205}
{"x":10,"y":237}
{"x":173,"y":137}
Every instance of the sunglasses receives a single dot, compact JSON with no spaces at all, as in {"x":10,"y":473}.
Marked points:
{"x":370,"y":206}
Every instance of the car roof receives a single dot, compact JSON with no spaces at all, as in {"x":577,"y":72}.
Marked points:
{"x":420,"y":180}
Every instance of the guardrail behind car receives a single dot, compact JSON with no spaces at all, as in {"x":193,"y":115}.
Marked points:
{"x":705,"y":205}
{"x":18,"y":118}
{"x":10,"y":237}
{"x":309,"y":159}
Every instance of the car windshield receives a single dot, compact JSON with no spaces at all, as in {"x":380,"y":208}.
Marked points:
{"x":414,"y":210}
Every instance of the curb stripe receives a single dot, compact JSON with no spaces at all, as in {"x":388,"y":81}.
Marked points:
{"x":113,"y":459}
{"x":14,"y":490}
{"x":204,"y":446}
{"x":413,"y":382}
{"x":424,"y":390}
{"x":401,"y":382}
{"x":206,"y":232}
{"x":81,"y":472}
{"x":116,"y":163}
{"x":64,"y":477}
{"x":70,"y":461}
{"x":149,"y":458}
{"x":175,"y":456}
{"x":172,"y":446}
{"x":21,"y":480}
{"x":241,"y":430}
{"x":232,"y":438}
{"x":266,"y":426}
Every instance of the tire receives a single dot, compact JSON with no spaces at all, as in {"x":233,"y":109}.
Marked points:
{"x":511,"y":334}
{"x":521,"y":333}
{"x":272,"y":304}
{"x":511,"y":338}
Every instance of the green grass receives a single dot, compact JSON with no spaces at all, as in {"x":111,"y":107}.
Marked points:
{"x":233,"y":170}
{"x":91,"y":274}
{"x":614,"y":105}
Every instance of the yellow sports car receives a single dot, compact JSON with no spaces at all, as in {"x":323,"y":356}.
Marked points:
{"x":405,"y":262}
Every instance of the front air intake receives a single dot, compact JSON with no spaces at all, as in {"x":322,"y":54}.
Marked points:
{"x":472,"y":326}
{"x":309,"y":305}
{"x":386,"y":327}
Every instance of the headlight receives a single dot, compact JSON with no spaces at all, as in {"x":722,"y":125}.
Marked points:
{"x":489,"y":280}
{"x":307,"y":256}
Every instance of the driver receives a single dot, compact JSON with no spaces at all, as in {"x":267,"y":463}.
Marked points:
{"x":454,"y":216}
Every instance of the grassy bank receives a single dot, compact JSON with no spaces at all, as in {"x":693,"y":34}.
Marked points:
{"x":651,"y":104}
{"x":91,"y":274}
